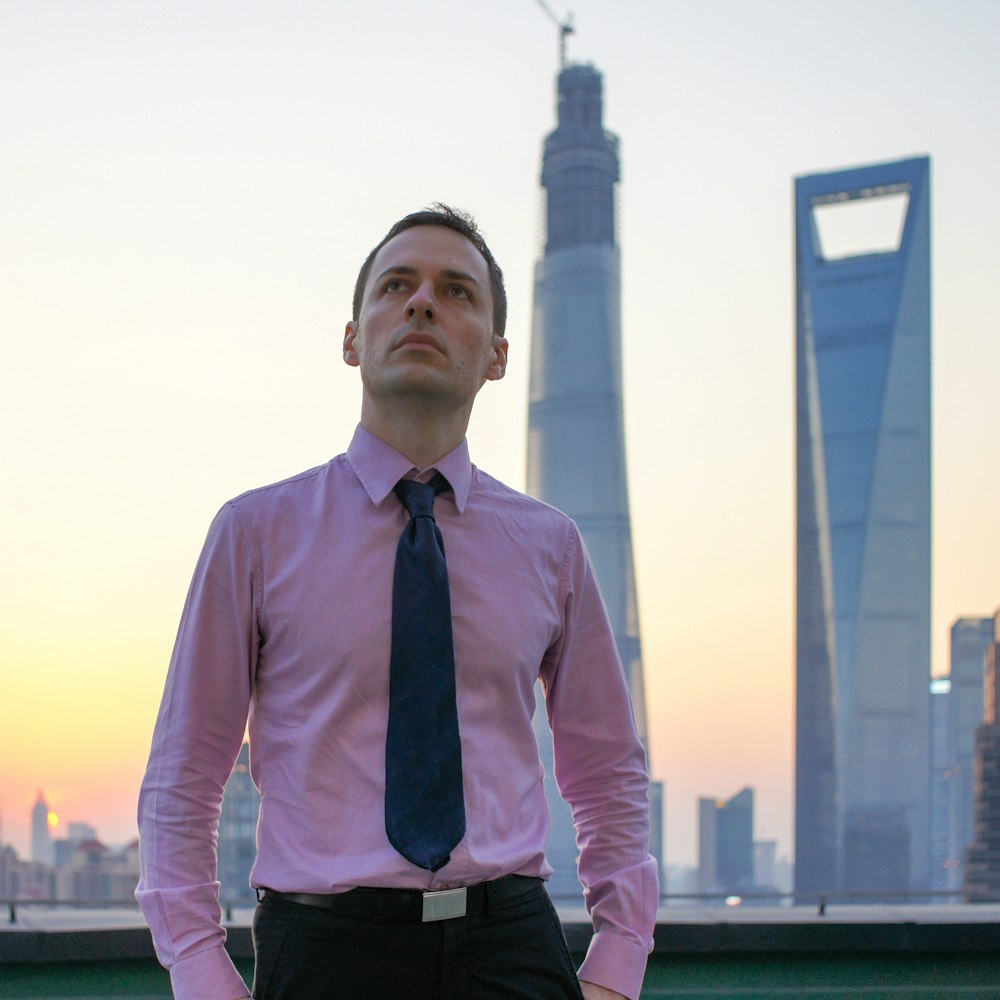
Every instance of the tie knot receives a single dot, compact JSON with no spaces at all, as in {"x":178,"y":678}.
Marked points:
{"x":417,"y":497}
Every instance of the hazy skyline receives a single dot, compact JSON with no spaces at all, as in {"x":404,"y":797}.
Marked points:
{"x":188,"y":191}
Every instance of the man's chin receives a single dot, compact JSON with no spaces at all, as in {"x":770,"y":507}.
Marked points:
{"x":421,"y":383}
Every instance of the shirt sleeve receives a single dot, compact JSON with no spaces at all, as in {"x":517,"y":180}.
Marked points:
{"x":197,"y":737}
{"x":600,"y":768}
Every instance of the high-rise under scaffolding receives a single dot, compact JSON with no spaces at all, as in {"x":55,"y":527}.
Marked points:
{"x":576,"y":437}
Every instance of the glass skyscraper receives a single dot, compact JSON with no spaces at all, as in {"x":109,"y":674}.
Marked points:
{"x":863,"y":535}
{"x":982,"y":858}
{"x":576,"y":437}
{"x":944,"y":872}
{"x":971,"y":638}
{"x":726,"y":844}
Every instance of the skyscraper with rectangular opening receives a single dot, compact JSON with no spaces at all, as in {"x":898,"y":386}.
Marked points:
{"x":863,"y":528}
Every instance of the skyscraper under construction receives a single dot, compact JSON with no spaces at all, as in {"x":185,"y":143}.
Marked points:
{"x":576,"y":439}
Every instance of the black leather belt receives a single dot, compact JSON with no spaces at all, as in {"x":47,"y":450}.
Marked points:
{"x":412,"y":904}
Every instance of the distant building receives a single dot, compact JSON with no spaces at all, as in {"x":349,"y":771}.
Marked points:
{"x":41,"y":836}
{"x":708,"y":840}
{"x":771,"y":874}
{"x":24,"y":879}
{"x":576,"y":441}
{"x":96,"y":873}
{"x":238,"y":833}
{"x":735,"y":846}
{"x":982,"y":864}
{"x":680,"y":880}
{"x":863,"y":543}
{"x":77,"y":834}
{"x":726,"y":844}
{"x":944,"y":868}
{"x":765,"y":864}
{"x":783,"y":874}
{"x":8,"y":867}
{"x":970,"y":640}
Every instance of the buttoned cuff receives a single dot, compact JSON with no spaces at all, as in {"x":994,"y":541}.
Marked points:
{"x":208,"y":975}
{"x":615,"y":963}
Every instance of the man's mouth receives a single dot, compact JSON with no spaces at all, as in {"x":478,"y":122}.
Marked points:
{"x":417,"y":338}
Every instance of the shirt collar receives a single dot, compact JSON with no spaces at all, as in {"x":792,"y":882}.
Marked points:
{"x":379,"y":467}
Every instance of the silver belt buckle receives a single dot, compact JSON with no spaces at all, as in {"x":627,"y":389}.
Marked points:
{"x":445,"y":904}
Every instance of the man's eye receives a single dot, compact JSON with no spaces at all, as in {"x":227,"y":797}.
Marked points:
{"x":459,"y":292}
{"x":393,"y":285}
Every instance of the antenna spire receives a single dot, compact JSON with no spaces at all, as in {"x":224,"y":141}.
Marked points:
{"x":565,"y":28}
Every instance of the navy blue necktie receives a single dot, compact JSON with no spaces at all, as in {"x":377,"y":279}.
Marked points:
{"x":424,"y":803}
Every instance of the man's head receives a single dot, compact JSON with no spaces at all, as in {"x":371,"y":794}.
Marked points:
{"x":457,"y":220}
{"x":424,"y":336}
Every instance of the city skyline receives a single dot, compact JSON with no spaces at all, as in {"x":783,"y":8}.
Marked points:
{"x":189,"y":194}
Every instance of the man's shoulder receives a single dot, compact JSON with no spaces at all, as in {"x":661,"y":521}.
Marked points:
{"x":289,"y":490}
{"x":506,"y":498}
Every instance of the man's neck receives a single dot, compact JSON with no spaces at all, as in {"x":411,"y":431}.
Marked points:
{"x":423,"y":435}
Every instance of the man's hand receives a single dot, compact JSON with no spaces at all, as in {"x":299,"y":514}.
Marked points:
{"x":591,"y":991}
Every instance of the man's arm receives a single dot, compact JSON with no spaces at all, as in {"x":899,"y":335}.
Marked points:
{"x":198,"y":733}
{"x":600,"y":767}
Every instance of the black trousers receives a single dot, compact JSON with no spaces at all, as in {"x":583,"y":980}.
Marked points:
{"x":515,"y":950}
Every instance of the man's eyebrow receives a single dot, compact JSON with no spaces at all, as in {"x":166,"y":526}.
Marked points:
{"x":447,"y":272}
{"x":460,"y":276}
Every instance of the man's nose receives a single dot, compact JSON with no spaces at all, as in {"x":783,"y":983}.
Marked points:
{"x":421,"y":303}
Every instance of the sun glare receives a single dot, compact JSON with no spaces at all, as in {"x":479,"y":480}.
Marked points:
{"x":53,"y":820}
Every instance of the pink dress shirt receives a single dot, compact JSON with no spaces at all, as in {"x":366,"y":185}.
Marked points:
{"x":288,"y":619}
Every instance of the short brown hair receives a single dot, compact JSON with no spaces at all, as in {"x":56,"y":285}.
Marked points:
{"x":461,"y":222}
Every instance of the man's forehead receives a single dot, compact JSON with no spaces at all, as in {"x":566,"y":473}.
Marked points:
{"x":431,"y":245}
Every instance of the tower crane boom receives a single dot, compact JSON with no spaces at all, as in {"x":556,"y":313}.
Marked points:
{"x":565,"y":28}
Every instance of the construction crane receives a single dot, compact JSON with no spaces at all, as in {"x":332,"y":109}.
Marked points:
{"x":565,"y":28}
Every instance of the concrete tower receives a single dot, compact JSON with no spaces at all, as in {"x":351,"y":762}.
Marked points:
{"x":576,"y":440}
{"x":863,"y":542}
{"x":42,"y":848}
{"x":725,"y":843}
{"x":971,"y":640}
{"x":982,"y":858}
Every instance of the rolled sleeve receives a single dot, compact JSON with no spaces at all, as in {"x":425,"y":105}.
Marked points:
{"x":624,"y":915}
{"x":207,"y":975}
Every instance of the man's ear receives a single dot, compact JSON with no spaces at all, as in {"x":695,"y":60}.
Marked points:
{"x":498,"y":367}
{"x":351,"y":345}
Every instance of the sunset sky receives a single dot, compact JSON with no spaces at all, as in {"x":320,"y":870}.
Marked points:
{"x":187,"y":190}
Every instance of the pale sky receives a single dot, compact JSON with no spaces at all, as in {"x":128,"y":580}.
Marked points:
{"x":187,"y":190}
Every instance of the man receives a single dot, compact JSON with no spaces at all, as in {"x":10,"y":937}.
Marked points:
{"x":297,"y":615}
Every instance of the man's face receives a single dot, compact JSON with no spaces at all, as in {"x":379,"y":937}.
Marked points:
{"x":426,"y":321}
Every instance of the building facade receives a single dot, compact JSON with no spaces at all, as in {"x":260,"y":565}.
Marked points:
{"x":21,"y":879}
{"x":708,"y":845}
{"x":982,"y":858}
{"x":96,"y":873}
{"x":944,"y":867}
{"x":238,"y":834}
{"x":41,"y":836}
{"x":726,"y":845}
{"x":863,"y":540}
{"x":971,"y":638}
{"x":576,"y":437}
